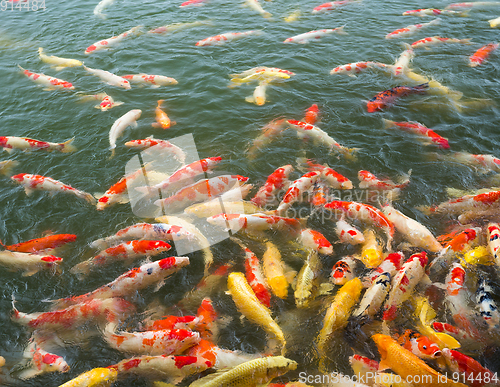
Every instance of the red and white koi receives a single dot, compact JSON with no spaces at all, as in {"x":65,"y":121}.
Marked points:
{"x":154,"y":81}
{"x":201,"y":191}
{"x":487,"y":308}
{"x":192,"y":3}
{"x":314,"y":240}
{"x":348,"y":233}
{"x":305,"y":130}
{"x":352,"y":69}
{"x":109,"y":42}
{"x":49,"y":242}
{"x":483,"y":163}
{"x":481,"y":55}
{"x":109,"y":78}
{"x":160,"y":145}
{"x":43,"y":183}
{"x":297,"y":189}
{"x":410,"y":30}
{"x":437,"y":40}
{"x":107,"y":102}
{"x":402,"y":64}
{"x":256,"y":222}
{"x":465,"y":339}
{"x":157,"y":342}
{"x":414,"y":232}
{"x":470,"y":370}
{"x":343,"y":270}
{"x":403,"y":283}
{"x":117,"y":193}
{"x":218,"y":40}
{"x":494,"y":241}
{"x":317,"y":34}
{"x":27,"y":262}
{"x":131,"y":281}
{"x":481,"y":201}
{"x":255,"y":277}
{"x":475,"y":4}
{"x":105,"y":310}
{"x":125,"y":251}
{"x":390,"y":265}
{"x":276,"y":181}
{"x":51,"y":83}
{"x":8,"y":143}
{"x":365,"y":213}
{"x":433,"y":12}
{"x":330,"y":5}
{"x":370,"y":181}
{"x":128,"y":119}
{"x":60,"y":63}
{"x":259,"y":94}
{"x":363,"y":367}
{"x":255,"y":5}
{"x":419,"y":345}
{"x":269,"y":133}
{"x":311,"y":115}
{"x":42,"y":362}
{"x":420,"y":130}
{"x":334,"y":179}
{"x":374,"y":296}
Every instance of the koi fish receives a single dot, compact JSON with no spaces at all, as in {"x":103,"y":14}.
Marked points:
{"x":109,"y":42}
{"x":433,"y":12}
{"x":125,"y":251}
{"x":494,"y":23}
{"x":218,"y":40}
{"x":305,"y":130}
{"x":483,"y":163}
{"x":192,"y":2}
{"x":107,"y":102}
{"x":250,"y":307}
{"x":131,"y":281}
{"x":406,"y":364}
{"x":128,"y":119}
{"x":372,"y":253}
{"x":311,"y":115}
{"x":93,"y":378}
{"x":255,"y":5}
{"x":269,"y":133}
{"x":403,"y":283}
{"x":255,"y":277}
{"x":42,"y":362}
{"x":261,"y":75}
{"x":296,"y":190}
{"x":348,"y":233}
{"x":475,"y":4}
{"x":179,"y":26}
{"x":100,"y":7}
{"x":419,"y":345}
{"x":470,"y":370}
{"x":307,"y":36}
{"x":343,"y":270}
{"x":481,"y":55}
{"x":150,"y":142}
{"x":51,"y":83}
{"x":352,"y":69}
{"x":108,"y":309}
{"x":49,"y":242}
{"x":313,"y":239}
{"x":414,"y":232}
{"x":390,"y":265}
{"x":109,"y":78}
{"x":401,"y":66}
{"x":307,"y":285}
{"x":28,"y":263}
{"x":374,"y":296}
{"x":494,"y":241}
{"x":256,"y":222}
{"x":157,"y":342}
{"x":467,"y":203}
{"x":334,"y":179}
{"x":293,"y":16}
{"x":259,"y":94}
{"x":60,"y":63}
{"x":154,"y":81}
{"x":370,"y":181}
{"x":43,"y":183}
{"x":330,"y":5}
{"x":8,"y":143}
{"x":162,"y":119}
{"x":435,"y":40}
{"x":387,"y":98}
{"x":487,"y":308}
{"x":117,"y":192}
{"x":411,"y":29}
{"x":363,"y":367}
{"x":274,"y":271}
{"x":6,"y":166}
{"x":276,"y":181}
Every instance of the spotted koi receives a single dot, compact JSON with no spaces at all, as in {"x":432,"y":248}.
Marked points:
{"x":481,"y":55}
{"x":314,"y":240}
{"x":297,"y":189}
{"x":276,"y":181}
{"x":28,"y":263}
{"x":351,"y":69}
{"x":348,"y":233}
{"x":343,"y":270}
{"x":433,"y":12}
{"x":218,"y":40}
{"x":152,"y":80}
{"x":388,"y":97}
{"x":334,"y":179}
{"x":51,"y":83}
{"x":435,"y":40}
{"x":390,"y":265}
{"x":411,"y":29}
{"x":256,"y":222}
{"x":8,"y":143}
{"x":487,"y":308}
{"x":109,"y":42}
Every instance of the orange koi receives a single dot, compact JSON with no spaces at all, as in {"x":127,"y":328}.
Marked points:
{"x":40,"y":244}
{"x":482,"y":54}
{"x":419,"y":129}
{"x":387,"y":98}
{"x":419,"y":345}
{"x":311,"y":115}
{"x":162,"y":119}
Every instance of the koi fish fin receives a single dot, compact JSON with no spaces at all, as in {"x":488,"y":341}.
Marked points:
{"x":341,"y":31}
{"x":8,"y":167}
{"x":28,"y":191}
{"x":29,"y":373}
{"x":250,"y":99}
{"x":82,"y":269}
{"x":59,"y":68}
{"x":124,"y":199}
{"x":159,"y":285}
{"x":118,"y":103}
{"x":112,"y":154}
{"x":8,"y":150}
{"x":29,"y":273}
{"x":67,"y":147}
{"x":155,"y":86}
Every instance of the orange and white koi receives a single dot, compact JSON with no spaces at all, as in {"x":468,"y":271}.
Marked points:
{"x":433,"y":12}
{"x":218,"y":40}
{"x":201,"y":191}
{"x":48,"y":242}
{"x":494,"y":241}
{"x":365,"y":213}
{"x":467,"y":203}
{"x":274,"y":271}
{"x":348,"y":233}
{"x":255,"y":5}
{"x":305,"y":130}
{"x":43,"y":183}
{"x":330,"y":5}
{"x":481,"y":55}
{"x":470,"y":370}
{"x":297,"y":189}
{"x":259,"y":94}
{"x":387,"y":98}
{"x":126,"y":251}
{"x":170,"y":368}
{"x":334,"y":179}
{"x":105,"y":310}
{"x":154,"y":231}
{"x":256,"y":222}
{"x":411,"y":29}
{"x":109,"y":42}
{"x":343,"y":270}
{"x":374,"y":296}
{"x":269,"y":133}
{"x":42,"y":362}
{"x":311,"y":115}
{"x":95,"y":377}
{"x":160,"y":145}
{"x":117,"y":192}
{"x":317,"y":34}
{"x":370,"y":181}
{"x":276,"y":181}
{"x":390,"y":265}
{"x":420,"y":130}
{"x":435,"y":40}
{"x":483,"y":163}
{"x":419,"y":345}
{"x":363,"y":367}
{"x":413,"y":231}
{"x":403,"y":283}
{"x":162,"y":119}
{"x":487,"y":308}
{"x":131,"y":281}
{"x":27,"y":262}
{"x":60,"y":63}
{"x":255,"y":277}
{"x":128,"y":119}
{"x":51,"y":83}
{"x":402,"y":64}
{"x":192,"y":2}
{"x":154,"y":81}
{"x":109,"y":78}
{"x":352,"y":69}
{"x":475,"y":4}
{"x":314,"y":240}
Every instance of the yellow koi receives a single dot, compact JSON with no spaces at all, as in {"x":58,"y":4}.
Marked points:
{"x":273,"y":270}
{"x":213,"y":207}
{"x":60,"y":63}
{"x":97,"y":377}
{"x":307,"y":281}
{"x":371,"y":251}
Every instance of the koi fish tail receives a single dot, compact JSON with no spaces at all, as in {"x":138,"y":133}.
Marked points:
{"x":40,"y":50}
{"x":88,"y":197}
{"x":421,"y":88}
{"x":341,"y":31}
{"x":349,"y":153}
{"x":82,"y":269}
{"x":68,"y":147}
{"x":388,"y":123}
{"x":267,"y":15}
{"x":112,"y":154}
{"x":160,"y":102}
{"x":8,"y":167}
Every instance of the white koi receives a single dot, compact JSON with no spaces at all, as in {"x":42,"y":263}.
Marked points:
{"x":348,"y":233}
{"x":401,"y":66}
{"x":100,"y":7}
{"x":351,"y":69}
{"x":218,"y":40}
{"x":307,"y":36}
{"x":374,"y":296}
{"x":475,"y":4}
{"x":259,"y":94}
{"x":109,"y":42}
{"x":180,"y":26}
{"x":255,"y":5}
{"x":128,"y":119}
{"x":9,"y":143}
{"x":27,"y":262}
{"x":109,"y":78}
{"x":411,"y":29}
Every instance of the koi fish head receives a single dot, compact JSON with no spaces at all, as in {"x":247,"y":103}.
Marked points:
{"x":373,"y":106}
{"x":125,"y":84}
{"x":420,"y":345}
{"x":19,"y":177}
{"x":341,"y":273}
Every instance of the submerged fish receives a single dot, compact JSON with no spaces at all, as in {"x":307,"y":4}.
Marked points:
{"x":59,"y":63}
{"x":387,"y":98}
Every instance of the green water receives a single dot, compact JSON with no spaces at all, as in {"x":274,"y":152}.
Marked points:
{"x":222,"y":124}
